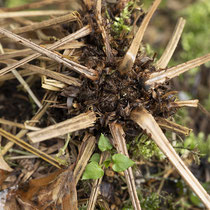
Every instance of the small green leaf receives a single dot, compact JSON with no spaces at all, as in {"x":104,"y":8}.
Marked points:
{"x":92,"y":171}
{"x":95,"y":157}
{"x":104,"y":144}
{"x":107,"y":163}
{"x":121,"y":162}
{"x":195,"y":200}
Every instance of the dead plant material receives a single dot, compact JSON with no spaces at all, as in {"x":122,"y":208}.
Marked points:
{"x":80,"y":33}
{"x":172,"y":126}
{"x":172,"y":44}
{"x":33,"y":5}
{"x":130,"y":56}
{"x":22,"y":132}
{"x":77,"y":123}
{"x":96,"y":185}
{"x":189,"y":103}
{"x":120,"y":144}
{"x":164,"y":75}
{"x":32,"y":13}
{"x":48,"y":23}
{"x":148,"y":123}
{"x":90,"y":73}
{"x":85,"y":152}
{"x":52,"y":74}
{"x":127,"y":92}
{"x":29,"y":148}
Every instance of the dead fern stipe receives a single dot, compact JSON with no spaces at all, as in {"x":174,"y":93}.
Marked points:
{"x":100,"y":94}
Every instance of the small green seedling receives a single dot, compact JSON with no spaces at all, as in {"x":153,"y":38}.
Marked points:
{"x":120,"y":162}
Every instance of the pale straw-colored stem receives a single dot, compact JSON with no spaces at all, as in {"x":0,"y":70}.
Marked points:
{"x":32,"y":13}
{"x":18,"y":125}
{"x":46,"y":23}
{"x":29,"y":148}
{"x":52,"y":74}
{"x":79,"y":122}
{"x":130,"y":56}
{"x":162,"y":76}
{"x":85,"y":152}
{"x":120,"y":144}
{"x":76,"y":35}
{"x":150,"y":126}
{"x":169,"y":50}
{"x":96,"y":185}
{"x":172,"y":126}
{"x":90,"y":73}
{"x":188,"y":103}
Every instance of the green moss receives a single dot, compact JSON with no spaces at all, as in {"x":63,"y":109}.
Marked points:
{"x":12,"y":3}
{"x":195,"y":41}
{"x":147,"y":149}
{"x":119,"y":25}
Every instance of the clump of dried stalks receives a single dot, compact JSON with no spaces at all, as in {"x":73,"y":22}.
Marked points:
{"x":106,"y":90}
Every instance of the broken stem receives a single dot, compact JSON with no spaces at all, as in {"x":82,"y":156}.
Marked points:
{"x":188,"y":103}
{"x":29,"y":148}
{"x":120,"y":144}
{"x":79,"y":122}
{"x":96,"y":185}
{"x":162,"y":76}
{"x":172,"y":126}
{"x":76,"y":35}
{"x":90,"y":73}
{"x":130,"y":56}
{"x":105,"y":37}
{"x":47,"y":23}
{"x":169,"y":50}
{"x":148,"y":123}
{"x":85,"y":152}
{"x":32,"y":13}
{"x":52,"y":74}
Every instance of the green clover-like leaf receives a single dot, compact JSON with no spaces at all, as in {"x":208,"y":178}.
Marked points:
{"x":121,"y":162}
{"x":104,"y":144}
{"x":92,"y":171}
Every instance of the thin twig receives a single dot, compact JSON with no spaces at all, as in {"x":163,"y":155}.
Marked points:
{"x":32,"y":13}
{"x":120,"y":144}
{"x":76,"y":35}
{"x":19,"y":125}
{"x":130,"y":56}
{"x":90,"y":73}
{"x":169,"y":50}
{"x":23,"y":52}
{"x":23,"y":73}
{"x":204,"y":110}
{"x":26,"y":87}
{"x":55,"y":75}
{"x":162,"y":76}
{"x":46,"y":23}
{"x":172,"y":126}
{"x":22,"y":132}
{"x":29,"y":148}
{"x":148,"y":123}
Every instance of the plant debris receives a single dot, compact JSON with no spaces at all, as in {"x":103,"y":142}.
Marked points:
{"x":95,"y":79}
